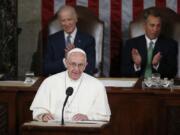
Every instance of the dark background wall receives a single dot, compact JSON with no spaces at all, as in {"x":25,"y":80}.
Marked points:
{"x":29,"y":20}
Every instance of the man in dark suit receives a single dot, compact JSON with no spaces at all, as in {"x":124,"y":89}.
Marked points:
{"x":150,"y":53}
{"x":63,"y":41}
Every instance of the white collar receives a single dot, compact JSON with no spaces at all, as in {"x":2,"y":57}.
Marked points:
{"x":73,"y":34}
{"x":70,"y":81}
{"x":149,"y":40}
{"x":75,"y":84}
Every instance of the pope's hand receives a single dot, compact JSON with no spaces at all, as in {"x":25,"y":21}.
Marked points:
{"x":47,"y":116}
{"x":79,"y":117}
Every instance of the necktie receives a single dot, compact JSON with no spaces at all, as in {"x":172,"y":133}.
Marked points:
{"x":68,"y":40}
{"x":148,"y":70}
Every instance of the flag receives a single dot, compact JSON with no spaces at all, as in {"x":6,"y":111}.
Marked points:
{"x":116,"y":15}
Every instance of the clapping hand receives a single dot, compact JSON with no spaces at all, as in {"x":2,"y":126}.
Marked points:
{"x":156,"y":59}
{"x":136,"y":57}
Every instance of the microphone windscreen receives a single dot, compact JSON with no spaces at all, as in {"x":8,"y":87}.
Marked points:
{"x":69,"y":91}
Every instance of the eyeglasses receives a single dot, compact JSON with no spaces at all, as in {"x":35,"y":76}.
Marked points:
{"x":74,"y":65}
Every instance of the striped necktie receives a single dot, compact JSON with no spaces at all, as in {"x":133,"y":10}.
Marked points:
{"x":68,"y":40}
{"x":148,"y":70}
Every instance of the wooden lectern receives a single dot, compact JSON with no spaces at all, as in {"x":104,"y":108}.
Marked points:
{"x":52,"y":128}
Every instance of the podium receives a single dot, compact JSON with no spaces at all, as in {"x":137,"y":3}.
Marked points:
{"x":54,"y":128}
{"x":135,"y":111}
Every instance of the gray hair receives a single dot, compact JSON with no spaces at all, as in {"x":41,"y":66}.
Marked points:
{"x":67,"y":8}
{"x":76,"y":50}
{"x":72,"y":51}
{"x":154,"y":11}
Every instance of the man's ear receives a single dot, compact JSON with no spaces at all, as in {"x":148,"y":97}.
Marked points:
{"x":144,"y":24}
{"x":65,"y":64}
{"x":86,"y":65}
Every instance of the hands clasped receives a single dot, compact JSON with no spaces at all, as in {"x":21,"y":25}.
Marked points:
{"x":77,"y":117}
{"x":68,"y":48}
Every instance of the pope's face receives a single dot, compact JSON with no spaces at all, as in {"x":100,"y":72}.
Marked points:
{"x":68,"y":21}
{"x":152,"y":27}
{"x":76,"y":64}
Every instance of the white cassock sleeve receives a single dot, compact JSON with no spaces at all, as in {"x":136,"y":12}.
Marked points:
{"x":41,"y":102}
{"x":100,"y":108}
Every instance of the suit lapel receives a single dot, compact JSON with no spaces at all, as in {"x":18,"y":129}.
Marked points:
{"x":77,"y":40}
{"x":143,"y":50}
{"x":62,"y":39}
{"x":58,"y":45}
{"x":157,"y":47}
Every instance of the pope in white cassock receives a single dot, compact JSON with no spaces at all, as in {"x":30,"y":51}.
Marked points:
{"x":88,"y":101}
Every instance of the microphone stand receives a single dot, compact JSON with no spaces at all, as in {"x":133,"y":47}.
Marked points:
{"x":62,"y":120}
{"x":69,"y":92}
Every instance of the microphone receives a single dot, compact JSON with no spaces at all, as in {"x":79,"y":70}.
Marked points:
{"x":69,"y":92}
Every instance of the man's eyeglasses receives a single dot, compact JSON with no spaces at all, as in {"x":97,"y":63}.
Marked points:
{"x":74,"y":65}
